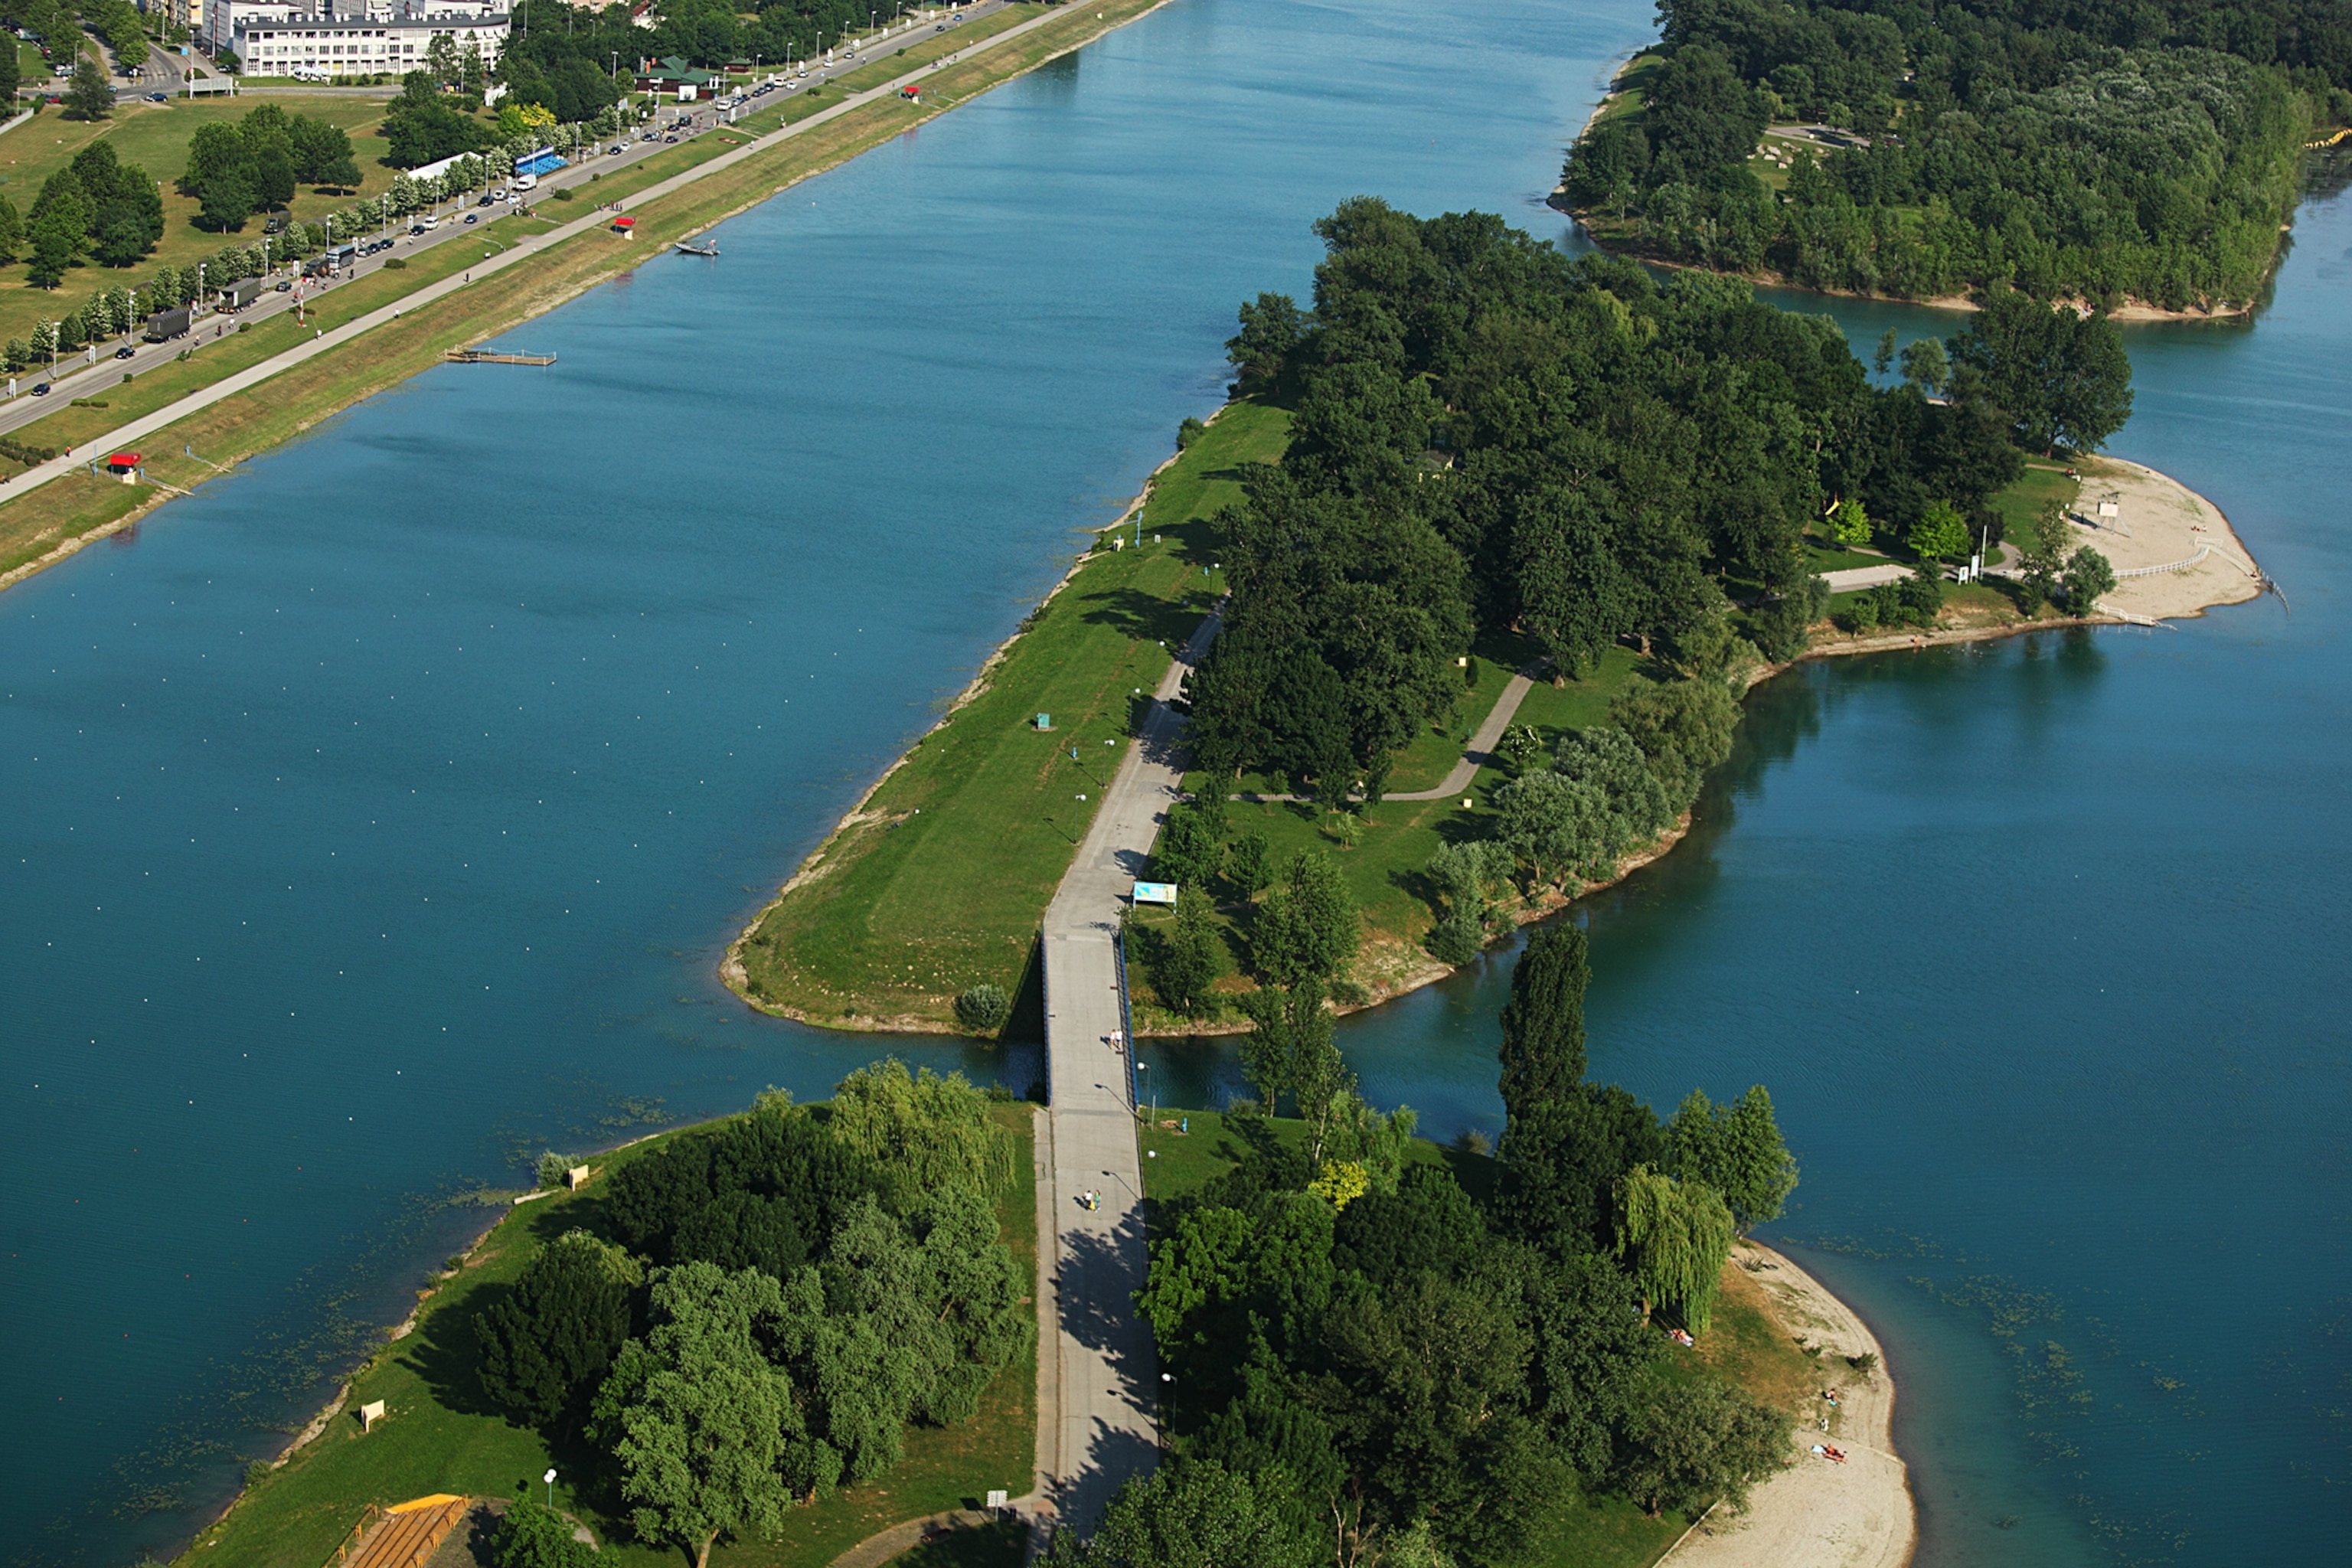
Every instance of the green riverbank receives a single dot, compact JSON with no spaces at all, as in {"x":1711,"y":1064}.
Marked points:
{"x":46,"y":525}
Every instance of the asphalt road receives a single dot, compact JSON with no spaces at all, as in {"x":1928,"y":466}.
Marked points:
{"x":1105,"y":1415}
{"x":77,"y":376}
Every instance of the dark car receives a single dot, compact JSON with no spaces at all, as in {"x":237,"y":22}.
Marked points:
{"x":472,"y":217}
{"x":159,"y":97}
{"x":41,"y":389}
{"x":125,"y":351}
{"x":286,"y":287}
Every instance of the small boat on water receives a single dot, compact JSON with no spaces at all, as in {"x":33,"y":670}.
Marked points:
{"x":688,"y":248}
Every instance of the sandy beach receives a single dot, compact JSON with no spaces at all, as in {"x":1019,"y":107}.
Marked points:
{"x":2160,"y":522}
{"x":1819,"y":1514}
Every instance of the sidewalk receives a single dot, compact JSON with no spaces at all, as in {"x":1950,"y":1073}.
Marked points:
{"x":1108,"y":1370}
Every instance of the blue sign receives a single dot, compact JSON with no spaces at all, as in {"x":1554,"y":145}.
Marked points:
{"x":1155,"y":892}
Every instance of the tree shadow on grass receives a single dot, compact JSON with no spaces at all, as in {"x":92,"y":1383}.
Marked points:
{"x":446,"y":1355}
{"x":1000,"y":1543}
{"x":1138,"y":615}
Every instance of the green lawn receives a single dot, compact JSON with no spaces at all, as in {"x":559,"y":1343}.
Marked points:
{"x":987,"y":805}
{"x":2021,"y":501}
{"x":1383,"y":867}
{"x":443,"y":1436}
{"x":155,"y":136}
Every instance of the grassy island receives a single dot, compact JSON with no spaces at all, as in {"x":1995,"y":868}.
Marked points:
{"x":2147,"y":156}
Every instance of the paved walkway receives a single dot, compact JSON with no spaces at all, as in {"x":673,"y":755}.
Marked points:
{"x":1478,"y":753}
{"x":1102,"y":1425}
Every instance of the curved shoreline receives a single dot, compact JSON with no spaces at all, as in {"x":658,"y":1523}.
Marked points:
{"x":1818,"y":1514}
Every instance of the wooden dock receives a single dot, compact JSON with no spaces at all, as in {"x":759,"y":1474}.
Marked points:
{"x":487,"y":356}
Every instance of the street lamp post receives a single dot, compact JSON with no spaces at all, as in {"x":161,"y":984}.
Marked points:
{"x":550,"y":1480}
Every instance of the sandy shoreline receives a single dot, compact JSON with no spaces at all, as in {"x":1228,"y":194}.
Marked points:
{"x":1817,"y":1514}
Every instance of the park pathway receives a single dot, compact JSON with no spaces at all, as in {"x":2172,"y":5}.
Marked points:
{"x":1478,"y":753}
{"x":1098,"y":1424}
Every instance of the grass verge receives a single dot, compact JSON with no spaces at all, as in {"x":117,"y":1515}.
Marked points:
{"x":444,"y":1435}
{"x":987,"y":805}
{"x":290,"y":403}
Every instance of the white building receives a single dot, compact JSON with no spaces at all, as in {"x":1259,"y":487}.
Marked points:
{"x":221,"y":19}
{"x":271,"y":40}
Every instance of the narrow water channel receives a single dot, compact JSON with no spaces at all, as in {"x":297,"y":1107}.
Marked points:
{"x":374,"y":819}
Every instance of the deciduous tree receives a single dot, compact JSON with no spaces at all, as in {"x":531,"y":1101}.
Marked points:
{"x":698,"y":1416}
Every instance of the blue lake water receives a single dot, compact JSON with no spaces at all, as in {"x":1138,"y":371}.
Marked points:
{"x":375,"y":818}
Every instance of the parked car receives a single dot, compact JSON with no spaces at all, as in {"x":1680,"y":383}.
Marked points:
{"x":159,"y":97}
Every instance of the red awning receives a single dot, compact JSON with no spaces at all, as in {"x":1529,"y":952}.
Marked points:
{"x":625,"y":222}
{"x":123,"y":460}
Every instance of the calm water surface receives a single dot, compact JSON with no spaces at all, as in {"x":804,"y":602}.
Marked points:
{"x":375,"y":819}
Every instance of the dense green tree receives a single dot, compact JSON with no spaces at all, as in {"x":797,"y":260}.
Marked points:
{"x":89,"y":95}
{"x":697,"y":1415}
{"x":56,"y":236}
{"x":1942,"y":532}
{"x":1250,"y":864}
{"x":546,"y":1343}
{"x":2062,"y":377}
{"x":925,"y":1132}
{"x":532,"y":1535}
{"x":1195,"y":1514}
{"x":1564,"y":1160}
{"x":2088,"y":576}
{"x":1675,"y":1236}
{"x":1187,"y":958}
{"x":1699,"y":113}
{"x":2045,"y":558}
{"x":1271,"y":327}
{"x":1308,"y":928}
{"x":1465,"y":877}
{"x":1682,"y":727}
{"x":127,"y":34}
{"x":1688,"y":1445}
{"x":1188,"y":851}
{"x":1737,"y":1148}
{"x":1427,"y":1382}
{"x":2084,"y":152}
{"x":1543,"y":1023}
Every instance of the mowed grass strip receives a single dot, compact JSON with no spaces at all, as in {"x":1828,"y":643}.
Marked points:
{"x":290,"y":403}
{"x":443,"y":1434}
{"x":939,"y":880}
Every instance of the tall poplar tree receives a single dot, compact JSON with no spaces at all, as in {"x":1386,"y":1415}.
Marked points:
{"x":1543,"y":1023}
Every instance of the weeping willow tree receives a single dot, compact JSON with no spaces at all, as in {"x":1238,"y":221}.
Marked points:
{"x":1675,"y":1235}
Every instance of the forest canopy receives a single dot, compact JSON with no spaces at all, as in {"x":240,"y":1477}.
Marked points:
{"x":2105,"y":153}
{"x":1491,"y":435}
